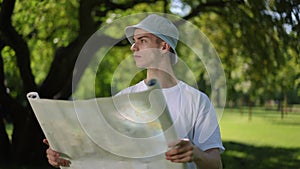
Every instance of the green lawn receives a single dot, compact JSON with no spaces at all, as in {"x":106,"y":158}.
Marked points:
{"x":264,"y":142}
{"x":264,"y":128}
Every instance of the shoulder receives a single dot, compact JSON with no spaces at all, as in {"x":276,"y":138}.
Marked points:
{"x":190,"y":91}
{"x":195,"y":99}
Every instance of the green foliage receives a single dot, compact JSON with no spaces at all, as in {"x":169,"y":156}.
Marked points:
{"x":46,"y":26}
{"x":108,"y":71}
{"x":11,"y":72}
{"x":251,"y":40}
{"x":191,"y":69}
{"x":255,"y":47}
{"x":257,"y":44}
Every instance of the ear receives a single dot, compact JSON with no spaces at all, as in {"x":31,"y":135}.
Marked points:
{"x":165,"y":47}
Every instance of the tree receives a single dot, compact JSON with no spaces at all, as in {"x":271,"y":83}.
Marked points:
{"x":256,"y":41}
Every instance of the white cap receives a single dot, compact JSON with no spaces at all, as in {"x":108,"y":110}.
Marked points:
{"x":160,"y":27}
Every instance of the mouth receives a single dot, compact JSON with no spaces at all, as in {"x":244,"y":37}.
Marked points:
{"x":137,"y":56}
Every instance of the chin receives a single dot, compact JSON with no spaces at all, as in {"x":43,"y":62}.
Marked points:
{"x":141,"y":66}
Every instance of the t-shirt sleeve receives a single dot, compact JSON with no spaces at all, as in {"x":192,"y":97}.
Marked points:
{"x":207,"y":131}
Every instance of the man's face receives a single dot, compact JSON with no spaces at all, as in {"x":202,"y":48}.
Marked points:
{"x":146,"y":49}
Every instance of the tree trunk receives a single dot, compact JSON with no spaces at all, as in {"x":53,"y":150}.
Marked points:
{"x":241,"y":105}
{"x":27,"y":147}
{"x":285,"y":104}
{"x":250,"y":109}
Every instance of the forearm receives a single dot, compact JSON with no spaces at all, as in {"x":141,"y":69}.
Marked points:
{"x":209,"y":159}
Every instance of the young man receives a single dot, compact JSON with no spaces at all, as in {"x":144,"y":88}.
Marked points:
{"x":154,"y":41}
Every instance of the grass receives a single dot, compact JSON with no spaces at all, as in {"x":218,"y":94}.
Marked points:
{"x":264,"y":142}
{"x":265,"y":128}
{"x":247,"y":156}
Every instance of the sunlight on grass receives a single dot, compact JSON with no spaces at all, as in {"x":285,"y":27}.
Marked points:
{"x":266,"y":128}
{"x":237,"y":154}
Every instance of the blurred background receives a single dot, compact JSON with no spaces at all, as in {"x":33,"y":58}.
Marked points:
{"x":257,"y":42}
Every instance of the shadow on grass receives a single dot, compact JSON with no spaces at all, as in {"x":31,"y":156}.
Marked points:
{"x":245,"y":156}
{"x":242,"y":156}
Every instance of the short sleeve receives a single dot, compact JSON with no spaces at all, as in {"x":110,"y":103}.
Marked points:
{"x":206,"y":128}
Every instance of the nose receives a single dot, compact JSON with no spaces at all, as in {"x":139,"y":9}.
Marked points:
{"x":134,"y":47}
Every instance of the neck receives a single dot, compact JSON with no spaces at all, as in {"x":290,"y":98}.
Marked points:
{"x":166,"y":78}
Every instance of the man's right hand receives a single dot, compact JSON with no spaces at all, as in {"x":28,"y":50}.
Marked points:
{"x":54,"y":157}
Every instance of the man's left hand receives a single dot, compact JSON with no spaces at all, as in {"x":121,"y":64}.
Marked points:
{"x":184,"y":151}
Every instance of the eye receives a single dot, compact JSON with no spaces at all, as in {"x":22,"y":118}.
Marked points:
{"x":143,"y":40}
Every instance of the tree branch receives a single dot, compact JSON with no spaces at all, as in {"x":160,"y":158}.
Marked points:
{"x":58,"y":83}
{"x":10,"y":37}
{"x":127,"y":5}
{"x":7,"y":8}
{"x":2,"y":86}
{"x":203,"y":7}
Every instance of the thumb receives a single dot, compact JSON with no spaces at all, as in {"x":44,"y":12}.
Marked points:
{"x":179,"y":142}
{"x":46,"y":141}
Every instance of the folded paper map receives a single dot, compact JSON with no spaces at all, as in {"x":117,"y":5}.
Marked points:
{"x":129,"y":131}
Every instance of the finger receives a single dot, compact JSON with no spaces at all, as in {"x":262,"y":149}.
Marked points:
{"x":54,"y":157}
{"x":180,"y":148}
{"x":64,"y":162}
{"x":59,"y":162}
{"x":53,"y":163}
{"x":183,"y":142}
{"x":54,"y":160}
{"x":178,"y":142}
{"x":46,"y":141}
{"x":184,"y":159}
{"x":180,"y":158}
{"x":51,"y":152}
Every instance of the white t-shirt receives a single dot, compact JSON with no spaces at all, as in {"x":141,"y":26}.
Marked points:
{"x":192,"y":113}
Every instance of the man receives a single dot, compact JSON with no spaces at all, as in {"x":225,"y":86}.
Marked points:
{"x":154,"y":41}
